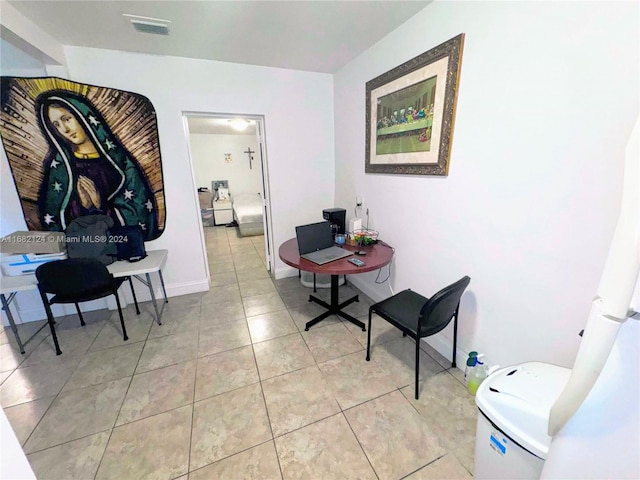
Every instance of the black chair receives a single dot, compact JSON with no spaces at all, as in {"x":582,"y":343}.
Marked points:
{"x":419,"y":316}
{"x":77,"y":280}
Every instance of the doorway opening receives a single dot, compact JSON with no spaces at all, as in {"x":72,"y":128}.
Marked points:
{"x":228,"y":159}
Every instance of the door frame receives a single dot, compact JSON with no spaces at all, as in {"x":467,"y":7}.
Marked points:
{"x":266,"y":191}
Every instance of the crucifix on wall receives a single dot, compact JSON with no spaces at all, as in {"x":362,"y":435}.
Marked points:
{"x":249,"y":152}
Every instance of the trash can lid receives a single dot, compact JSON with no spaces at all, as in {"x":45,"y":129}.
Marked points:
{"x":518,"y":399}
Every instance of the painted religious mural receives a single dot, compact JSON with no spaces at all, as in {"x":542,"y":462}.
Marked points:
{"x":77,"y":149}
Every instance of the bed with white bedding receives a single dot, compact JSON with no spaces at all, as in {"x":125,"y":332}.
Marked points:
{"x":248,"y":213}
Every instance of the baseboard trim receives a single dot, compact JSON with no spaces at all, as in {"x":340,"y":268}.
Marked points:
{"x":285,"y":272}
{"x":175,"y":290}
{"x":27,"y":306}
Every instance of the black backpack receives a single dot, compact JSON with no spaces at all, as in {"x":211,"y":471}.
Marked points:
{"x":89,"y":237}
{"x":129,"y":241}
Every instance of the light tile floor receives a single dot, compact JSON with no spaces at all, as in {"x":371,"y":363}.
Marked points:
{"x":232,"y":387}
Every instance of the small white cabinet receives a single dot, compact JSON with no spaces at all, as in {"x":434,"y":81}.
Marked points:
{"x":222,"y":213}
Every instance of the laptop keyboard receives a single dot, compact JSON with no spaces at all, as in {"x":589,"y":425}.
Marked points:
{"x":321,"y":257}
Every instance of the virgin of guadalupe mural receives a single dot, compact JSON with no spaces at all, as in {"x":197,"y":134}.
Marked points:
{"x":78,"y":150}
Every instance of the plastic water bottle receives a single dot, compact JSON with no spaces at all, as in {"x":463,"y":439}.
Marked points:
{"x":477,"y":375}
{"x":471,"y":362}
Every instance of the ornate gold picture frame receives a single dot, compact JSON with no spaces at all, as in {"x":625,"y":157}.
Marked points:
{"x":410,"y":113}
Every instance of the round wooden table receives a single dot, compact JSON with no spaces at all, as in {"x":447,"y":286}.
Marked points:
{"x":377,"y":256}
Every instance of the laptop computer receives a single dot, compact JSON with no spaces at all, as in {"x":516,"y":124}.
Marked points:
{"x":315,"y":243}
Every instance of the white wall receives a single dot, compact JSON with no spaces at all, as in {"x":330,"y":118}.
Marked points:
{"x":17,"y":63}
{"x":29,"y":37}
{"x":298,"y":112}
{"x":13,"y":62}
{"x":548,"y":96}
{"x":209,"y":163}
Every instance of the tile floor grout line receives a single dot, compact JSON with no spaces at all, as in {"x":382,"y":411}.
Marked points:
{"x":106,"y":445}
{"x":309,"y":424}
{"x":266,"y":409}
{"x":360,"y":445}
{"x":67,"y":442}
{"x":38,"y":423}
{"x":230,"y":456}
{"x":193,"y":416}
{"x":143,"y":373}
{"x":115,"y":421}
{"x":425,"y":465}
{"x":193,"y":398}
{"x":73,"y":390}
{"x":367,"y":401}
{"x":283,"y":374}
{"x":173,"y":364}
{"x":57,"y":395}
{"x":275,"y":447}
{"x":17,"y":350}
{"x":19,"y":366}
{"x":155,"y":414}
{"x":414,"y":408}
{"x":409,"y":400}
{"x":255,"y":361}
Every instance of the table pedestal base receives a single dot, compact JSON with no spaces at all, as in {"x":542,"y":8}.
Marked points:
{"x":334,"y":308}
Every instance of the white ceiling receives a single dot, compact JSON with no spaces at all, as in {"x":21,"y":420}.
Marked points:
{"x":317,"y":36}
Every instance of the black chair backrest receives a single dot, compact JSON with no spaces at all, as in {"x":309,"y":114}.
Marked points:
{"x":439,"y":310}
{"x":73,"y":276}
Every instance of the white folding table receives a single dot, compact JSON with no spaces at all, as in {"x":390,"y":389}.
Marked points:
{"x":153,"y":262}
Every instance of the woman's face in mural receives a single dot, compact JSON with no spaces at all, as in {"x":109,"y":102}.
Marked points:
{"x":67,"y":125}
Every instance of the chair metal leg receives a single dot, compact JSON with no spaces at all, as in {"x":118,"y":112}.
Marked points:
{"x":455,"y":335}
{"x":417,"y":366}
{"x":369,"y":337}
{"x":135,"y":300}
{"x":404,"y":334}
{"x":80,"y":314}
{"x":314,"y":283}
{"x":51,"y":320}
{"x":124,"y":330}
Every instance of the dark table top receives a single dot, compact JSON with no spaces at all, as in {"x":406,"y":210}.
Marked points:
{"x":377,"y":256}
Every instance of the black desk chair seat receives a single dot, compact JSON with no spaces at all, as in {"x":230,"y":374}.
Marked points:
{"x":77,"y":280}
{"x":419,"y":316}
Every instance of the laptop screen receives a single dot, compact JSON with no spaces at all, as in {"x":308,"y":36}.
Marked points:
{"x":315,"y":236}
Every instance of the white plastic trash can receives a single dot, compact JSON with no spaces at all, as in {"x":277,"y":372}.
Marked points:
{"x":514,"y":405}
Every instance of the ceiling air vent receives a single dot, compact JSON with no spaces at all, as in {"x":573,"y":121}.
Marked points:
{"x":154,"y":26}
